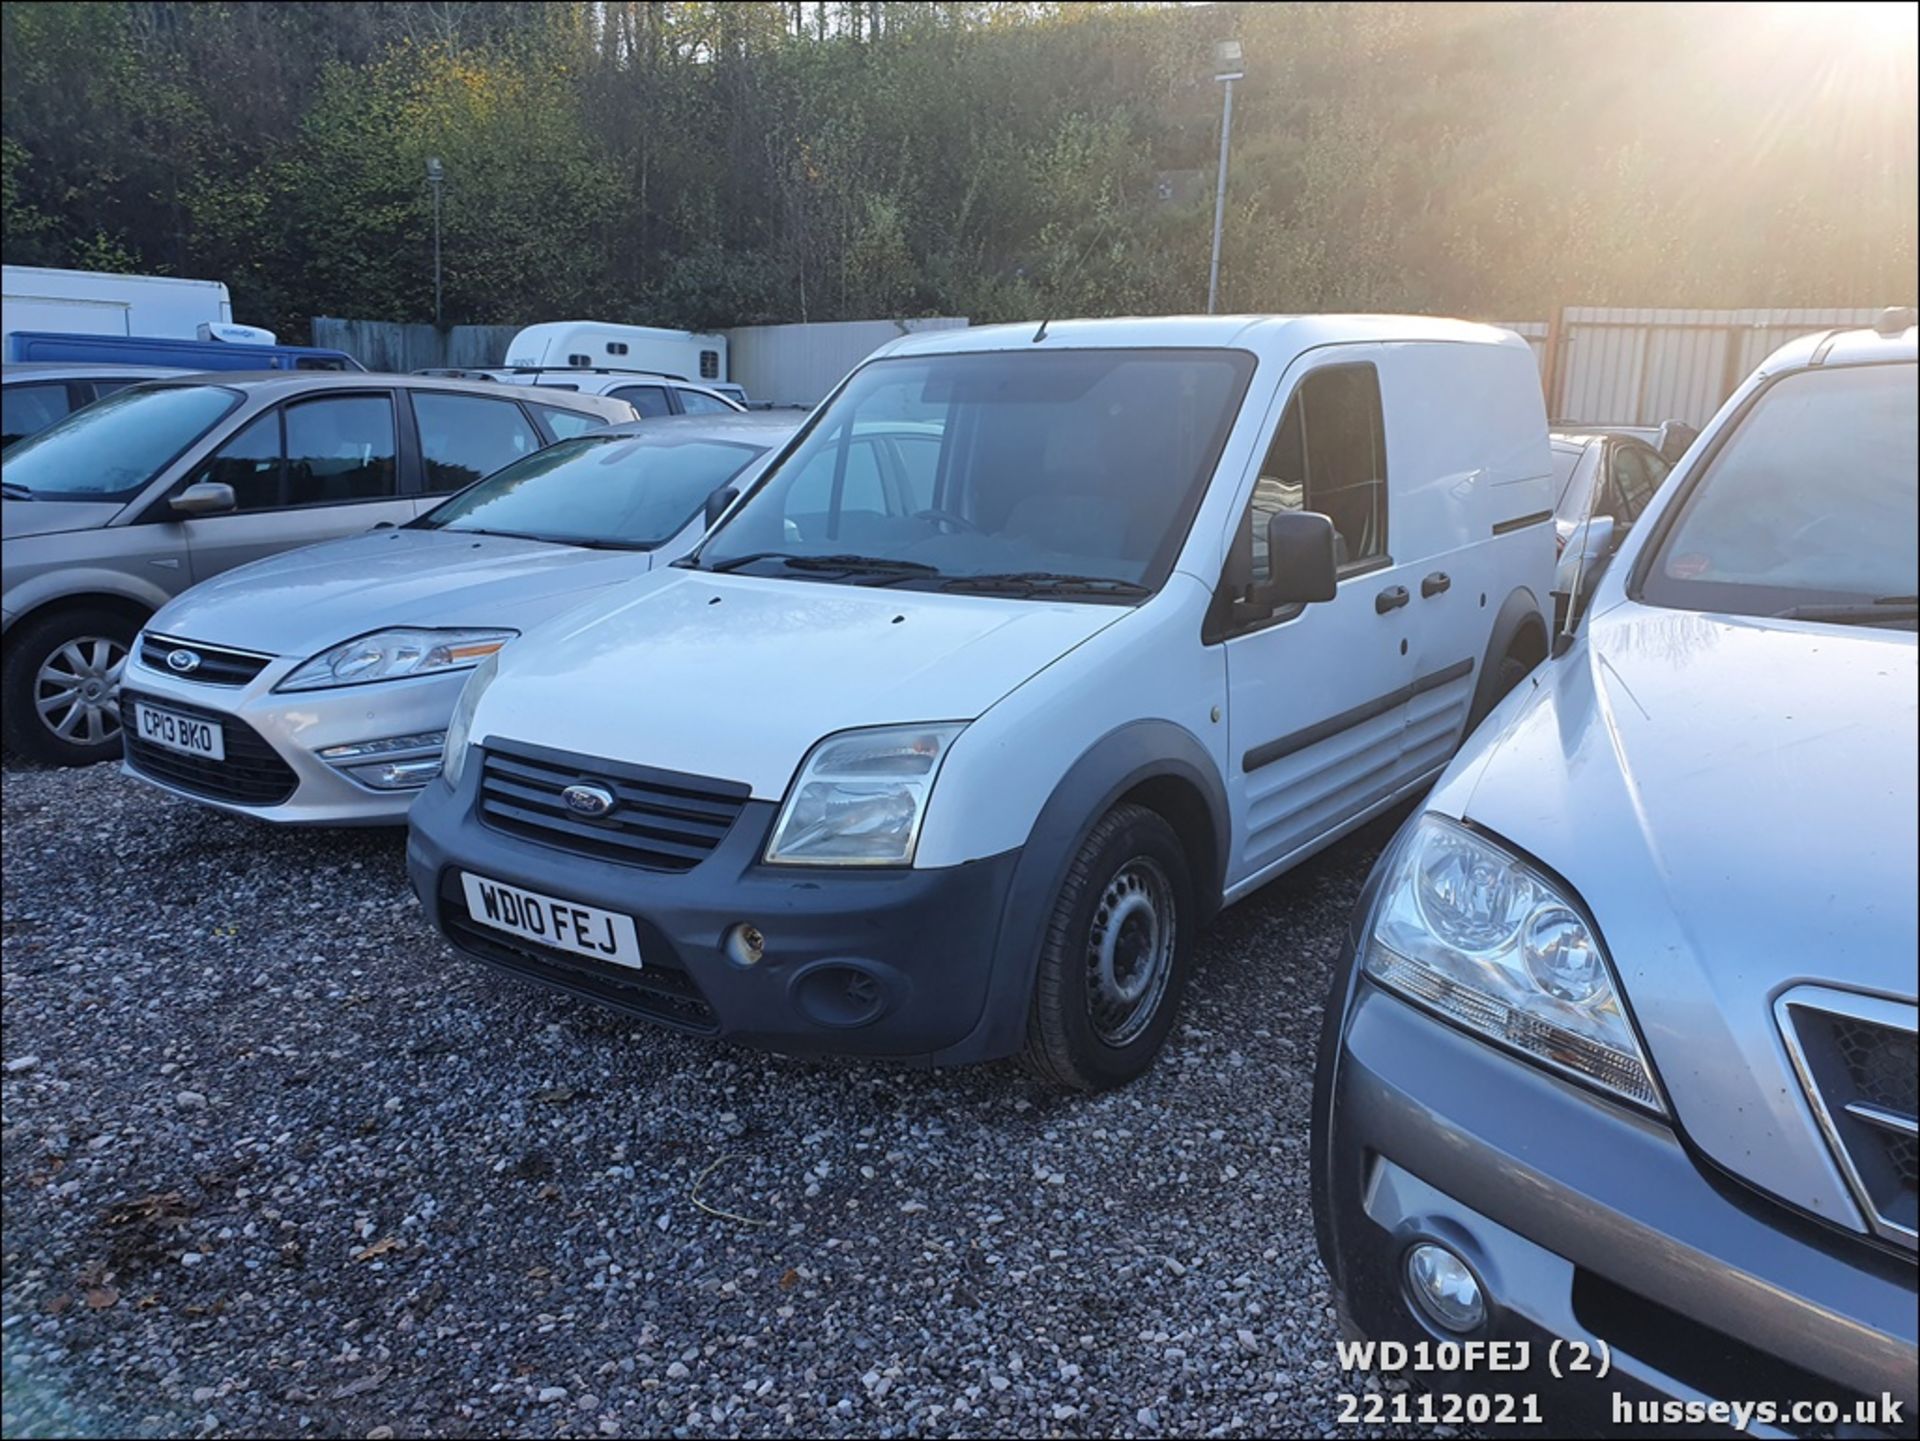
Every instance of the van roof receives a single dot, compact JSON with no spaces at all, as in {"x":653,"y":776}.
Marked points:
{"x":1259,"y":333}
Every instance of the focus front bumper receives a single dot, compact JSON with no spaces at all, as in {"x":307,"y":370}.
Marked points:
{"x":273,"y":734}
{"x":1584,"y":1222}
{"x":897,"y":963}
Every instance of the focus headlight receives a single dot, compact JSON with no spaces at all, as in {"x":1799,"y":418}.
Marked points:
{"x":392,"y":654}
{"x":1476,"y":934}
{"x":860,"y":797}
{"x":453,"y":756}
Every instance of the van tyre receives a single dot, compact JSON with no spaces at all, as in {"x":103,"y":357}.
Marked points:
{"x":1114,"y":956}
{"x":60,"y":683}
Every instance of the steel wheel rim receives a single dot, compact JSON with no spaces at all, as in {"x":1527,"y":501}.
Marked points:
{"x":1130,"y":951}
{"x":77,"y":688}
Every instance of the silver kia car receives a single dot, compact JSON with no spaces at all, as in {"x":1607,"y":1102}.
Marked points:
{"x":1619,"y":1062}
{"x":315,"y":686}
{"x":127,"y":501}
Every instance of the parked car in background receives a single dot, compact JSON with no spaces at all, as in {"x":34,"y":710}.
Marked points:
{"x":32,"y":397}
{"x":1602,"y":473}
{"x":334,"y":711}
{"x":1035,"y":649}
{"x":230,"y":347}
{"x":651,"y":393}
{"x":122,"y":505}
{"x":1621,"y":1054}
{"x":584,"y":343}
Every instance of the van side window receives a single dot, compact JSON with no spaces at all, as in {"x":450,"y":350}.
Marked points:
{"x":1328,"y":456}
{"x":339,"y":449}
{"x":250,"y":463}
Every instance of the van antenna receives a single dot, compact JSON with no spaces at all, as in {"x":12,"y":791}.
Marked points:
{"x":1041,"y":334}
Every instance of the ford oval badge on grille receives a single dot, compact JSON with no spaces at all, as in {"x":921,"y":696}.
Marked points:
{"x":588,"y":800}
{"x":183,"y":660}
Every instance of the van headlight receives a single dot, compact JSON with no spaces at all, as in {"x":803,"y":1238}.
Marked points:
{"x":393,"y":654}
{"x":1474,"y":933}
{"x":860,"y":797}
{"x":453,"y":756}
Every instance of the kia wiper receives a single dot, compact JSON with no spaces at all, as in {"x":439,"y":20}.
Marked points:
{"x":872,"y":564}
{"x":1878,"y":611}
{"x":1046,"y":582}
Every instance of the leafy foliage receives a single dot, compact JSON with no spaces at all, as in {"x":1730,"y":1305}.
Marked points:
{"x":708,"y":164}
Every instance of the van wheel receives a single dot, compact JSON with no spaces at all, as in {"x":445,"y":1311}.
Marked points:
{"x":1114,"y":959}
{"x":60,"y":686}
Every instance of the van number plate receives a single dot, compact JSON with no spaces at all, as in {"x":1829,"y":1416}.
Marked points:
{"x":584,"y":930}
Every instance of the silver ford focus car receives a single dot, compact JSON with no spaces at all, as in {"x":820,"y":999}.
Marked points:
{"x":315,"y":686}
{"x":1619,"y":1065}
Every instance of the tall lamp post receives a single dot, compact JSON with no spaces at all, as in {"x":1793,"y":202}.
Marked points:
{"x":1226,"y":70}
{"x":436,"y":173}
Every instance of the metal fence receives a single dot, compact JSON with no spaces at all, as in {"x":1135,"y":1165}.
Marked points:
{"x":799,"y":364}
{"x":1640,"y":367}
{"x":392,"y":345}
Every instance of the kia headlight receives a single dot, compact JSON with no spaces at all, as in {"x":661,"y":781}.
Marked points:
{"x":1474,"y":933}
{"x":395,"y":654}
{"x":860,"y":797}
{"x":453,"y":755}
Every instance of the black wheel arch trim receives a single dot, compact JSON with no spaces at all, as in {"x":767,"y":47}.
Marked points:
{"x":1518,"y":613}
{"x":1119,"y":762}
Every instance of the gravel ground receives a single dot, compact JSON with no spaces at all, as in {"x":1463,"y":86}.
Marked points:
{"x":277,"y":1162}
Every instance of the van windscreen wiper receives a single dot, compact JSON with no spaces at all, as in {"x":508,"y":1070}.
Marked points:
{"x":1878,"y":611}
{"x":15,"y":492}
{"x":1046,"y":582}
{"x":877,"y":564}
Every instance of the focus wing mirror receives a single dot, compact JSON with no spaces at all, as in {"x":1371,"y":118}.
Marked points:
{"x":1581,"y":565}
{"x":209,"y":497}
{"x":718,"y":502}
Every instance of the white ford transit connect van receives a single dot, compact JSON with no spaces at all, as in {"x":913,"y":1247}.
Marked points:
{"x":1032,"y":650}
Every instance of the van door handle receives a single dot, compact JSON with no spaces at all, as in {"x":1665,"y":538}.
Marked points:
{"x":1392,"y":598}
{"x":1434,"y":584}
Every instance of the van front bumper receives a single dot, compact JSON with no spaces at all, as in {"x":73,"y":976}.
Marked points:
{"x":1588,"y":1223}
{"x":897,"y":963}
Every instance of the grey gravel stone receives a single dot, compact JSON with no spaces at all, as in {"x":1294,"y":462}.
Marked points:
{"x":391,"y":1235}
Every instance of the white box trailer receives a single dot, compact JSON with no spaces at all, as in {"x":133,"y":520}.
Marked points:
{"x":685,"y":353}
{"x":93,"y":302}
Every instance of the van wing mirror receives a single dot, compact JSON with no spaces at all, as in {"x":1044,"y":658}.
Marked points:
{"x":208,"y":497}
{"x":718,"y":502}
{"x":1300,"y":560}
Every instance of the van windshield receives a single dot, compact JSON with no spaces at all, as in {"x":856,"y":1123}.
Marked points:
{"x":1065,"y":472}
{"x":1809,"y":509}
{"x":111,"y":449}
{"x":632,"y":491}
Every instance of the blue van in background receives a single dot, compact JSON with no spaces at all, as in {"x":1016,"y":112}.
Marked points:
{"x":42,"y":345}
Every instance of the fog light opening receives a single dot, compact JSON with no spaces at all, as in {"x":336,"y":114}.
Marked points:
{"x":1444,"y":1288}
{"x":745,"y":945}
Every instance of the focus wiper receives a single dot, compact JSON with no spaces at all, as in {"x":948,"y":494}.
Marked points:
{"x":1045,"y":582}
{"x":875,"y":564}
{"x":1865,"y":612}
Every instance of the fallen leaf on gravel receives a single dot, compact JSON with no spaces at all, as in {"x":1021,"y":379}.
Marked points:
{"x":790,"y":1279}
{"x":555,"y":1094}
{"x":378,"y":1248}
{"x":547,"y":1192}
{"x":360,"y":1385}
{"x":101,"y":1297}
{"x":57,"y":1305}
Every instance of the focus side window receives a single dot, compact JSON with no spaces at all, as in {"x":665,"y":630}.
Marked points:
{"x":250,"y":463}
{"x":1328,"y":456}
{"x":340,"y":449}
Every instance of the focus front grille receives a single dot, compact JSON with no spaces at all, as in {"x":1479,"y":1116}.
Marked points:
{"x":218,"y":664}
{"x":657,"y":991}
{"x":660,"y":820}
{"x":1857,"y":1059}
{"x":252,"y":774}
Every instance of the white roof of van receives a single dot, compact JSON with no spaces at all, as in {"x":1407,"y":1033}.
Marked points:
{"x":1249,"y":332}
